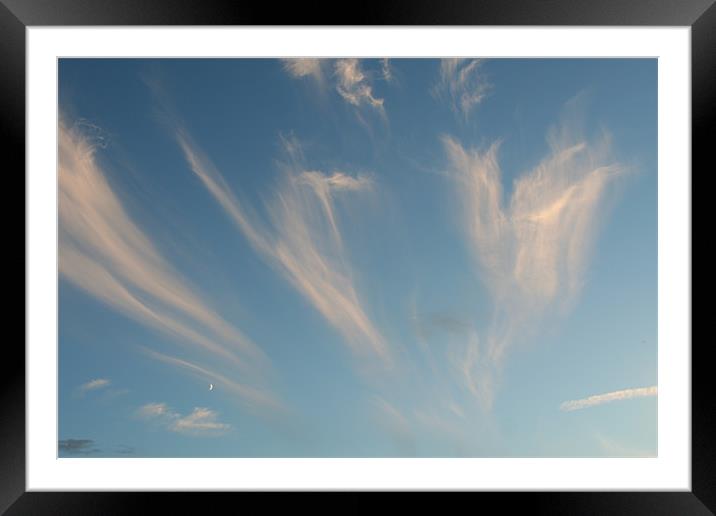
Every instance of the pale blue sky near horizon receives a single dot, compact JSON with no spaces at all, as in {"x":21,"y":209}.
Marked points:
{"x":364,"y":258}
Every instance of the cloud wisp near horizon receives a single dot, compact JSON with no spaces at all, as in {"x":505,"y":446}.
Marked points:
{"x":200,"y":422}
{"x":257,"y":397}
{"x":608,"y":397}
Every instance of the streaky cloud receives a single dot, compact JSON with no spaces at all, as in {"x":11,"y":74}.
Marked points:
{"x":324,"y":187}
{"x":387,"y":70}
{"x":105,"y":253}
{"x":462,"y":84}
{"x":93,"y":385}
{"x":302,"y":238}
{"x":396,"y":424}
{"x":212,"y":179}
{"x":251,"y":396}
{"x":93,"y":278}
{"x":600,"y":399}
{"x":531,"y":253}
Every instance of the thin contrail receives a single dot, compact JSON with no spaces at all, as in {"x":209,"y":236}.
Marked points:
{"x":598,"y":399}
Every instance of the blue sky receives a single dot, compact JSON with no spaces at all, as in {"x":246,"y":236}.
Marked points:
{"x":363,"y":258}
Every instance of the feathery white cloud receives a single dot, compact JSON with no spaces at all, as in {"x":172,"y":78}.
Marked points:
{"x":608,"y":397}
{"x":324,"y":187}
{"x":200,"y":421}
{"x":532,"y":252}
{"x":105,"y":253}
{"x":93,"y":385}
{"x":462,"y":84}
{"x":304,"y":67}
{"x":303,"y":238}
{"x":153,"y":410}
{"x":351,"y":82}
{"x":315,"y":262}
{"x":354,"y":86}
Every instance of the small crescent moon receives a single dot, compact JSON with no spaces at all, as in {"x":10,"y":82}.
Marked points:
{"x":211,"y":386}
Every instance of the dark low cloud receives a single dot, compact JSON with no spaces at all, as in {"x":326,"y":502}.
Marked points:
{"x":77,"y":446}
{"x":85,"y":447}
{"x":123,"y":449}
{"x":429,"y":323}
{"x":449,"y":323}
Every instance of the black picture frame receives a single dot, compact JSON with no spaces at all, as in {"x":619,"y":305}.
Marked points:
{"x":16,"y":15}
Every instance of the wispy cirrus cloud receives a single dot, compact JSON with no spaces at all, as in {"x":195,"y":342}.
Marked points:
{"x":103,"y":385}
{"x":532,"y":252}
{"x":93,"y":385}
{"x":104,"y":252}
{"x":352,"y":83}
{"x":302,"y":238}
{"x":462,"y":84}
{"x":608,"y":397}
{"x":201,"y":421}
{"x":325,"y":187}
{"x":387,"y":70}
{"x":246,"y":394}
{"x":315,"y":261}
{"x":305,"y":67}
{"x":396,"y":424}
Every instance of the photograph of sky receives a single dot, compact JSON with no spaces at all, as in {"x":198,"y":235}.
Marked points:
{"x":357,"y":258}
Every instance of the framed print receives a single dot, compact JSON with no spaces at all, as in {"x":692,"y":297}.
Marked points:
{"x":425,"y":249}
